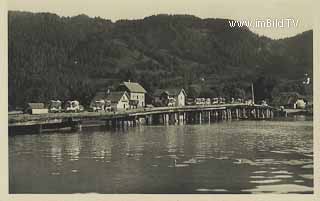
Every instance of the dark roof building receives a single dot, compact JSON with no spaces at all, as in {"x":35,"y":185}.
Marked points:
{"x":289,"y":98}
{"x":36,"y":105}
{"x":115,"y":96}
{"x":36,"y":108}
{"x":169,"y":92}
{"x":133,"y":87}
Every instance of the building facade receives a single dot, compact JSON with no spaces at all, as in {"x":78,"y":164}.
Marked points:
{"x":170,"y":97}
{"x":36,"y":108}
{"x":119,"y":100}
{"x":136,"y":93}
{"x":110,"y":100}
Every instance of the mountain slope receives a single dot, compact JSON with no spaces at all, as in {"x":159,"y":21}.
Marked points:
{"x":63,"y":58}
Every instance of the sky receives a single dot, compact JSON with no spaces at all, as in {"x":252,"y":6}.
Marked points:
{"x":270,"y":12}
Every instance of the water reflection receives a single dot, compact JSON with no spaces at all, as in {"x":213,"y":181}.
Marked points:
{"x":229,"y":157}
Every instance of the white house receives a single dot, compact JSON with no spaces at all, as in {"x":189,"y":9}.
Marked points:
{"x":36,"y":108}
{"x":119,"y":100}
{"x":136,"y":93}
{"x":170,"y":97}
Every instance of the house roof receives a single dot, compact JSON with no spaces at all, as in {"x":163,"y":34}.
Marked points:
{"x":289,"y":98}
{"x":36,"y":105}
{"x":170,"y":92}
{"x":115,"y":96}
{"x":100,"y":95}
{"x":134,"y":87}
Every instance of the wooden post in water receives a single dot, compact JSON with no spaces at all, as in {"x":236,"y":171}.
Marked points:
{"x":78,"y":126}
{"x":244,"y":113}
{"x":166,"y":118}
{"x":40,"y":128}
{"x":224,"y":115}
{"x":216,"y":115}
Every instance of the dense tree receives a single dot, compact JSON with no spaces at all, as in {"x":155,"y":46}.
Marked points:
{"x":52,"y":57}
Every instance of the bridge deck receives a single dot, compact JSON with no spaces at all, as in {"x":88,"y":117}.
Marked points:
{"x":27,"y":119}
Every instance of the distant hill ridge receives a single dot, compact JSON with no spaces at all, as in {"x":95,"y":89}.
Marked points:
{"x":72,"y":57}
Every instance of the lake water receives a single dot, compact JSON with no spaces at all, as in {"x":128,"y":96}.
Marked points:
{"x":227,"y":157}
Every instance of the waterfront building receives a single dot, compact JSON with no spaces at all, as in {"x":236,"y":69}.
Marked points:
{"x":110,"y":100}
{"x":36,"y":108}
{"x":170,"y":97}
{"x":119,"y":100}
{"x":136,"y":93}
{"x":292,"y":100}
{"x":55,"y":106}
{"x":100,"y":101}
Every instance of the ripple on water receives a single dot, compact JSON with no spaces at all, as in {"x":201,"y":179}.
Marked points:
{"x":190,"y":161}
{"x":268,"y":181}
{"x":257,"y":177}
{"x":281,"y":152}
{"x":306,"y":176}
{"x":280,"y":189}
{"x":281,"y":172}
{"x":310,"y":166}
{"x":282,"y":176}
{"x":211,"y":190}
{"x":259,"y":172}
{"x":296,"y":162}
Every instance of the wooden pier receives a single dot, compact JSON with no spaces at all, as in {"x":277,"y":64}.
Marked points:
{"x":158,"y":115}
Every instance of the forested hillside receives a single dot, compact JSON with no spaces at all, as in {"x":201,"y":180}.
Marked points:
{"x":52,"y":57}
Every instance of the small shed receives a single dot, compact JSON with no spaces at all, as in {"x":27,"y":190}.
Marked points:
{"x":36,"y":108}
{"x":292,"y":100}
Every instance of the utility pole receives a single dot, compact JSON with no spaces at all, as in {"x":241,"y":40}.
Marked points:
{"x":252,"y":93}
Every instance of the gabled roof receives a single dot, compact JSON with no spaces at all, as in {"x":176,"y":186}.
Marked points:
{"x":290,"y":98}
{"x":36,"y":105}
{"x":158,"y":92}
{"x":169,"y":92}
{"x":115,"y":96}
{"x":100,"y":95}
{"x":134,"y":87}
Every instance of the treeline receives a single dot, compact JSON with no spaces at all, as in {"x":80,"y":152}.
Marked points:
{"x":52,"y":57}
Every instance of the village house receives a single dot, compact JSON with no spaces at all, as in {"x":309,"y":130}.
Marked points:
{"x":170,"y":97}
{"x":136,"y":93}
{"x":106,"y":101}
{"x":55,"y":106}
{"x":36,"y":108}
{"x":119,"y":100}
{"x":100,"y":101}
{"x":292,"y":100}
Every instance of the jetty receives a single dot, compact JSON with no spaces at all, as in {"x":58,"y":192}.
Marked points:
{"x":27,"y":123}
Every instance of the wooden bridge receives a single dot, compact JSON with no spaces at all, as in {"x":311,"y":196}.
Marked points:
{"x":158,"y":115}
